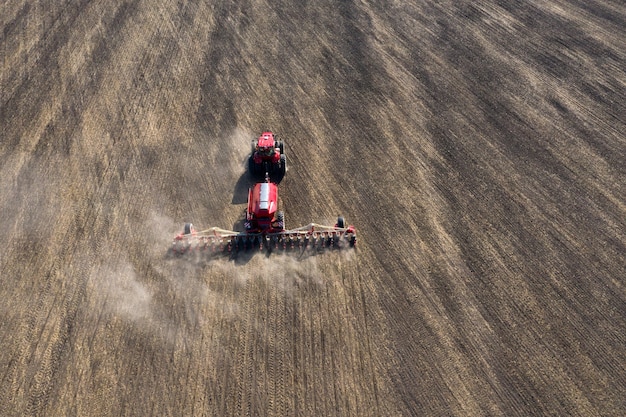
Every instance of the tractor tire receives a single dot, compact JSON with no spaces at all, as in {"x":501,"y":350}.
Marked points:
{"x":188,"y":228}
{"x":280,"y":219}
{"x":341,"y":223}
{"x":252,"y":167}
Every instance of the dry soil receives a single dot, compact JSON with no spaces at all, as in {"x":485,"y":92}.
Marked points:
{"x":478,"y":146}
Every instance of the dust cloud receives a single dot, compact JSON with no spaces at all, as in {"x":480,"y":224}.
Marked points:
{"x":284,"y":271}
{"x":121,"y":293}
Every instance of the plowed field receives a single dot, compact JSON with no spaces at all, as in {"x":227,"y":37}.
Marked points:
{"x":479,"y":148}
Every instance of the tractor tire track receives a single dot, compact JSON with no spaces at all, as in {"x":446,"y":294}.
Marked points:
{"x":242,"y":405}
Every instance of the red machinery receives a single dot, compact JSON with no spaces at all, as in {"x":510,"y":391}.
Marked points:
{"x":265,"y":229}
{"x":267,"y":156}
{"x":262,"y":215}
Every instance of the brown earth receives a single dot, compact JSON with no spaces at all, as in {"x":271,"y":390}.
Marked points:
{"x":478,"y":146}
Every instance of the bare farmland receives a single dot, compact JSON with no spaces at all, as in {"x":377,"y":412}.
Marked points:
{"x":478,"y":147}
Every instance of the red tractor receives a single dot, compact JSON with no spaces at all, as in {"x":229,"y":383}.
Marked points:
{"x":264,"y":223}
{"x":267,"y":157}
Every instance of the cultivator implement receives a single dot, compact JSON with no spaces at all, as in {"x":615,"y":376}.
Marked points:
{"x":313,"y":237}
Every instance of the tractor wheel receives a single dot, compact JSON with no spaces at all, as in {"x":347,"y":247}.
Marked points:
{"x":280,"y":219}
{"x":341,"y":223}
{"x":252,"y":167}
{"x":188,"y":229}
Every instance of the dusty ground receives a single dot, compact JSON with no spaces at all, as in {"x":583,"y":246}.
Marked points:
{"x":479,"y":148}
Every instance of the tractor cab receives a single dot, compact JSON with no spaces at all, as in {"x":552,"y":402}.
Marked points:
{"x":266,"y":144}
